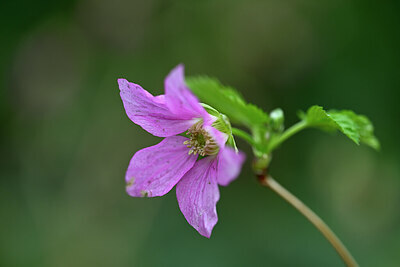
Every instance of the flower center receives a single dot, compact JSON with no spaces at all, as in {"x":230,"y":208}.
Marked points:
{"x":200,"y":141}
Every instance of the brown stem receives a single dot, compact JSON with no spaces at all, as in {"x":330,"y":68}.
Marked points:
{"x":268,"y":181}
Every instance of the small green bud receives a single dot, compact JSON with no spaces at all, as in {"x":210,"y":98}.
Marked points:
{"x":277,"y":119}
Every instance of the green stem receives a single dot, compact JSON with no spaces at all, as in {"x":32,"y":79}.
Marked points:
{"x":245,"y":136}
{"x":288,"y":133}
{"x":348,"y":259}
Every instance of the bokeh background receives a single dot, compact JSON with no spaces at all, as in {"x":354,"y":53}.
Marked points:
{"x":66,"y":141}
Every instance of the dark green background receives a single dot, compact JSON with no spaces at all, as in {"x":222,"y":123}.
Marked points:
{"x":66,"y":141}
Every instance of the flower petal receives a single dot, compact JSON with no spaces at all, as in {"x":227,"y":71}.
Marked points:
{"x":229,"y":165}
{"x":151,"y":112}
{"x":198,"y":194}
{"x":179,"y":99}
{"x":217,"y":135}
{"x":153,"y":171}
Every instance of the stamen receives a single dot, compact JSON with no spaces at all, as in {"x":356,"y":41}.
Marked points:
{"x":200,"y":141}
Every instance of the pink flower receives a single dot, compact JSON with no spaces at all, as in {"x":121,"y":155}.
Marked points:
{"x":155,"y":170}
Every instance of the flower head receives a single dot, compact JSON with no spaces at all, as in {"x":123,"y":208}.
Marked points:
{"x":155,"y":170}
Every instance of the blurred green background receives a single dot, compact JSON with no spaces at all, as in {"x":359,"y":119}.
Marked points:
{"x":66,"y":141}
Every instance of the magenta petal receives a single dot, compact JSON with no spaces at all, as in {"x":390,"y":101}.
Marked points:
{"x":229,"y":165}
{"x":153,"y":171}
{"x":198,"y":194}
{"x":179,"y":99}
{"x":217,"y":135}
{"x":151,"y":112}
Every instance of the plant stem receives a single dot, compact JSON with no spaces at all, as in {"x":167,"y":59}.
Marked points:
{"x":348,"y":259}
{"x":288,"y":133}
{"x":245,"y":136}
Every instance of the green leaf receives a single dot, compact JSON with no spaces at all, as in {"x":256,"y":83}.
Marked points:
{"x":363,"y":125}
{"x":316,"y":116}
{"x":357,"y":127}
{"x":227,"y":101}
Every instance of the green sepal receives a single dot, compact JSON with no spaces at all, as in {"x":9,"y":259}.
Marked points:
{"x":222,"y":124}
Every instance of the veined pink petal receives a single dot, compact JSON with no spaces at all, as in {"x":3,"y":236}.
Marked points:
{"x":179,"y":99}
{"x":229,"y":165}
{"x":151,"y":112}
{"x":218,"y":136}
{"x":197,"y":193}
{"x":153,"y":171}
